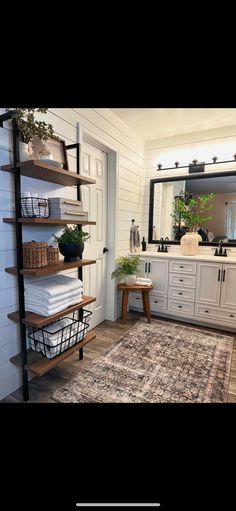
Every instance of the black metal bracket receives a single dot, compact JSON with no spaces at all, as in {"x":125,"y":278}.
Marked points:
{"x":7,"y":116}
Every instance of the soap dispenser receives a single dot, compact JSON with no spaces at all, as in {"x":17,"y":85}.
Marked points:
{"x":144,"y":245}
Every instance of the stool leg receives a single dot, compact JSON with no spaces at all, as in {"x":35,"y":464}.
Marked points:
{"x":146,"y":305}
{"x":124,"y":303}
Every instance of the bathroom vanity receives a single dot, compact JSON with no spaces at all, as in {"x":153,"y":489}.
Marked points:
{"x":197,"y":289}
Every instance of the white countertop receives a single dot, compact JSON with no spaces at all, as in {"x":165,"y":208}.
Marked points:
{"x":198,"y":257}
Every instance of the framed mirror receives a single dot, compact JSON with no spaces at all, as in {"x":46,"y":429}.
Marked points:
{"x":165,"y":191}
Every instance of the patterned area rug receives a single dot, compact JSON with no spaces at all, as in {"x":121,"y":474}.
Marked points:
{"x":160,"y":362}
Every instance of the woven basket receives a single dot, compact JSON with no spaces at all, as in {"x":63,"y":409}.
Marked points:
{"x":35,"y":254}
{"x":53,"y":255}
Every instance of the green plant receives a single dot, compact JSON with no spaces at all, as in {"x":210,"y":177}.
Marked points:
{"x":190,"y":210}
{"x":126,"y":265}
{"x":29,"y":127}
{"x":72,"y":235}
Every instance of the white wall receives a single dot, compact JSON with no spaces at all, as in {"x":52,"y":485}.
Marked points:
{"x":220,"y":142}
{"x":105,"y":125}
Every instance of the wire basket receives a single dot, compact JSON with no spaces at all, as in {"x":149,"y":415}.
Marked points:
{"x":59,"y":336}
{"x":35,"y":207}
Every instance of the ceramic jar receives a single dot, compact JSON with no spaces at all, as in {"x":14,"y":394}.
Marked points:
{"x":130,"y":280}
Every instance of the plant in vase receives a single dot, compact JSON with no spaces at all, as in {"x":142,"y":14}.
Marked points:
{"x":190,"y":212}
{"x":127,"y":267}
{"x":71,"y":243}
{"x":31,"y":129}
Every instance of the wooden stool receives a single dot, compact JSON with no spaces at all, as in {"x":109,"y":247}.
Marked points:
{"x":145,"y":293}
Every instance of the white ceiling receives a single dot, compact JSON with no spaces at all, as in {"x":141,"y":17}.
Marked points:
{"x":154,"y":123}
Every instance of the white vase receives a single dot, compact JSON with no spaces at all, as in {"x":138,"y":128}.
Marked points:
{"x":189,"y":243}
{"x":24,"y":151}
{"x":130,"y":280}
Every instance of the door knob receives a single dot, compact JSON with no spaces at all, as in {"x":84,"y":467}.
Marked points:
{"x":105,"y":250}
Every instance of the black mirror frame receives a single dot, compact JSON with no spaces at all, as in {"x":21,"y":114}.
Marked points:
{"x":181,"y":178}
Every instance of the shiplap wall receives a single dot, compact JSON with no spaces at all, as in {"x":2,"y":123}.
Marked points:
{"x":101,"y":123}
{"x":220,"y":142}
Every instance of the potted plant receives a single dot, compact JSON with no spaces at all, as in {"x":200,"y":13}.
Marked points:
{"x":29,"y":129}
{"x":127,"y":267}
{"x":71,"y":243}
{"x":189,"y":212}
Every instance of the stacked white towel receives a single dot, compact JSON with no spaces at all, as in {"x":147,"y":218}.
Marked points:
{"x":57,"y":337}
{"x":52,"y":295}
{"x":142,"y":281}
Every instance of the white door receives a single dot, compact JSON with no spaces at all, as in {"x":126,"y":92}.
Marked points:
{"x":228,"y":290}
{"x":208,"y":283}
{"x":94,"y":197}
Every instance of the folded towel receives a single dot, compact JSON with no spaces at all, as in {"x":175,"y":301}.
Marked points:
{"x":139,"y":282}
{"x":45,"y":310}
{"x":144,"y":279}
{"x":55,"y":286}
{"x":40,"y":299}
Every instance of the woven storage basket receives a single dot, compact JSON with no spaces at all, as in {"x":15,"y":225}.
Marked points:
{"x":53,"y":255}
{"x":35,"y":254}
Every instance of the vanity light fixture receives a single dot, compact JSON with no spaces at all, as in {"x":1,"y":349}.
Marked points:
{"x":196,"y":164}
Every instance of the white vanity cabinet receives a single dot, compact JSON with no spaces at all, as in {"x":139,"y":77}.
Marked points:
{"x":216,"y":292}
{"x":181,"y":290}
{"x":200,"y":291}
{"x":157,"y":270}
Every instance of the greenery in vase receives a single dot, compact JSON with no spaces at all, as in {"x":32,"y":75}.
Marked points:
{"x":29,"y":127}
{"x":126,"y":265}
{"x":72,"y":235}
{"x":191,"y":210}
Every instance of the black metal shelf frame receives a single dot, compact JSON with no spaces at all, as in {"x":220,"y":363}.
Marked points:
{"x":11,"y":115}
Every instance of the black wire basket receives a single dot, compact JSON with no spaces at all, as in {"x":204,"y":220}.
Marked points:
{"x":60,"y":335}
{"x":35,"y":207}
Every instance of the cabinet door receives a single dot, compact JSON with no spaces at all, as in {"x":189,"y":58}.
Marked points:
{"x":228,"y":289}
{"x":208,"y":283}
{"x":143,"y":266}
{"x":158,"y":272}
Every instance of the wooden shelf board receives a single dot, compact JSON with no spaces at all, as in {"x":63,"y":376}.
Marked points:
{"x":39,"y":365}
{"x":36,"y":320}
{"x":36,"y":169}
{"x":48,"y":221}
{"x":61,"y":266}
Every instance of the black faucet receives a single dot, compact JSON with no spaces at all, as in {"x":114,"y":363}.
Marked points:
{"x":219,"y":251}
{"x":162,"y":249}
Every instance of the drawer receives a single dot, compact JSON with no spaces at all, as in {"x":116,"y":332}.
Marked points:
{"x":175,"y":279}
{"x":157,"y":302}
{"x":182,"y":266}
{"x":180,"y":307}
{"x":181,"y":293}
{"x":136,"y":300}
{"x":215,"y":313}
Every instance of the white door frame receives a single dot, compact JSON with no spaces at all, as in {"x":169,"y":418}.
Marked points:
{"x":84,"y":135}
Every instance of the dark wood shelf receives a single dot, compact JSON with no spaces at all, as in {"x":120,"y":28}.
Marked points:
{"x":47,"y":221}
{"x":36,"y":169}
{"x":39,"y":365}
{"x":36,"y":320}
{"x":47,"y":270}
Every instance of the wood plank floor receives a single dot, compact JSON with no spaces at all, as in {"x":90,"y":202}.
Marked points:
{"x":108,"y":334}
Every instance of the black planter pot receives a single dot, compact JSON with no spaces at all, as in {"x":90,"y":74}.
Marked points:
{"x":71,"y":251}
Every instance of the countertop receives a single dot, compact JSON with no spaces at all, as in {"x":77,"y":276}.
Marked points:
{"x":198,"y":257}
